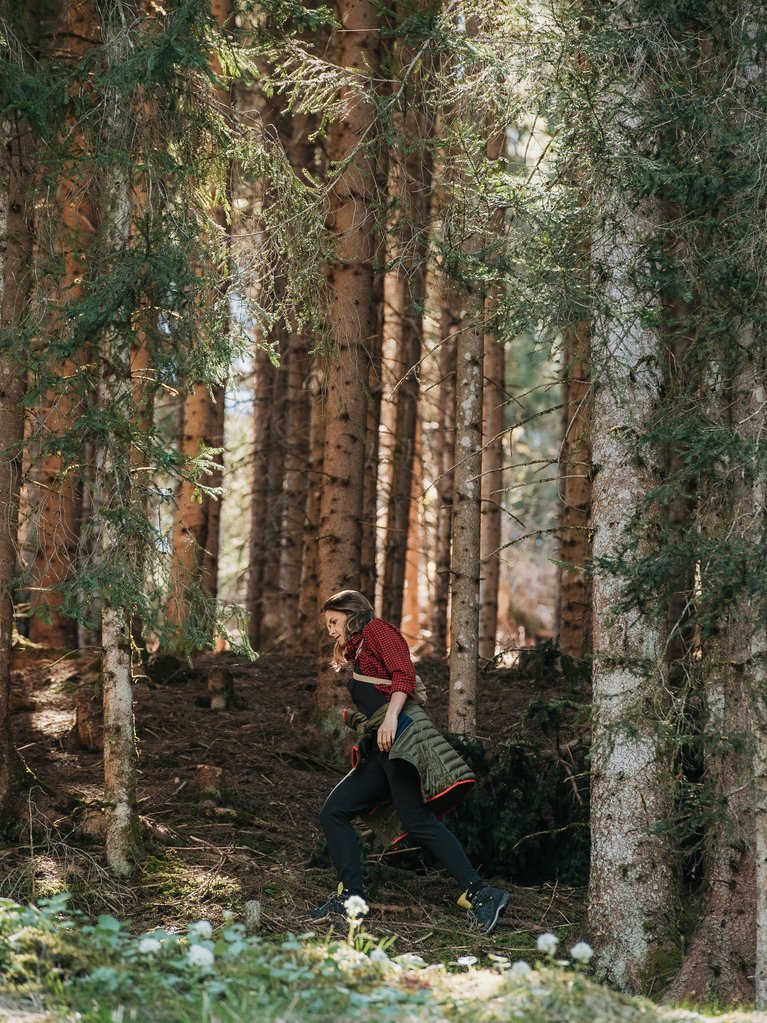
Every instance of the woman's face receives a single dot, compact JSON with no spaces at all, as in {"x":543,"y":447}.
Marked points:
{"x":336,"y":623}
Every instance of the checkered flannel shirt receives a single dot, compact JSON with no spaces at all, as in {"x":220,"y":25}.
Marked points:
{"x":381,"y":651}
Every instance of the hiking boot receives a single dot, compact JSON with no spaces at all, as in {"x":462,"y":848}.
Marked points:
{"x":485,"y":905}
{"x":341,"y":903}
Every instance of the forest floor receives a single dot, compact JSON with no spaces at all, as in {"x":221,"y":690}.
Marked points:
{"x":260,"y":838}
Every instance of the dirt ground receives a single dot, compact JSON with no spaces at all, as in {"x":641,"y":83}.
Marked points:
{"x":257,"y":839}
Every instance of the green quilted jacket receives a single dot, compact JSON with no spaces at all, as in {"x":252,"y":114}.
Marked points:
{"x":445,"y":777}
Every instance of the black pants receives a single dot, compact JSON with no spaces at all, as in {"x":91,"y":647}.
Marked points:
{"x":379,"y":779}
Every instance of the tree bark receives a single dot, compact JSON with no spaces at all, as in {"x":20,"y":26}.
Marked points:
{"x":449,"y":327}
{"x":494,"y":401}
{"x":719,"y":963}
{"x":295,"y":485}
{"x":301,"y":153}
{"x":199,"y":426}
{"x":58,"y":500}
{"x":369,"y":544}
{"x":464,"y":622}
{"x":631,"y":893}
{"x":309,"y":602}
{"x":575,"y":496}
{"x":410,"y":186}
{"x":355,"y":45}
{"x":414,"y":568}
{"x":198,"y":517}
{"x":263,"y":372}
{"x":112,"y":483}
{"x":17,"y":232}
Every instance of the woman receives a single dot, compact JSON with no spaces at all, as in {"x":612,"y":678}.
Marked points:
{"x":400,"y":758}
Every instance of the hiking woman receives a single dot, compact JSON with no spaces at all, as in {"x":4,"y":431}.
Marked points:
{"x":405,"y":774}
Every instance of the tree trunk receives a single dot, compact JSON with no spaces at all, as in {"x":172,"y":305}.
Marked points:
{"x":757,"y":699}
{"x":464,"y":622}
{"x":295,"y":480}
{"x":450,"y":324}
{"x":369,"y":545}
{"x":17,"y":232}
{"x":408,"y":324}
{"x":198,"y":521}
{"x":719,"y":962}
{"x":631,"y":896}
{"x":410,"y":181}
{"x":575,"y":496}
{"x":309,"y":602}
{"x":301,"y":152}
{"x":59,"y":498}
{"x":112,"y":483}
{"x":494,"y":401}
{"x":190,"y":530}
{"x":414,"y":562}
{"x":263,"y":371}
{"x":356,"y":44}
{"x":210,"y":554}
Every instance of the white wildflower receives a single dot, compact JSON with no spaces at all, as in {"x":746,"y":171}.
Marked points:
{"x":377,"y":955}
{"x":201,"y":929}
{"x":410,"y":959}
{"x":200,"y":956}
{"x":148,"y":946}
{"x":581,"y":952}
{"x":466,"y":960}
{"x":355,"y":907}
{"x":519,"y":969}
{"x":547,"y":943}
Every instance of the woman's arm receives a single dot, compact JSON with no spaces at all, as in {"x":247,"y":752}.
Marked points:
{"x":388,"y":727}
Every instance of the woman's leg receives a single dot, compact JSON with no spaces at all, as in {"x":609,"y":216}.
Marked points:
{"x":353,"y":795}
{"x":423,"y":824}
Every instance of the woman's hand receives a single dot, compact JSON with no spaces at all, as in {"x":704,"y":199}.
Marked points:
{"x":387,"y":730}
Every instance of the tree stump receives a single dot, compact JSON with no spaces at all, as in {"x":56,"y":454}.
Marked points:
{"x":220,"y":689}
{"x":252,"y":916}
{"x":210,"y":781}
{"x":89,"y":719}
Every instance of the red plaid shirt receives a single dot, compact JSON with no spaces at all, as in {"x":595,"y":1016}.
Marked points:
{"x":383,"y":653}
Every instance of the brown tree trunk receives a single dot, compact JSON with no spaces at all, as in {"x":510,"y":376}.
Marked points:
{"x":309,"y":601}
{"x":17,"y":231}
{"x":575,"y":496}
{"x":264,"y":372}
{"x":301,"y":153}
{"x":450,"y":325}
{"x":355,"y":45}
{"x":464,"y":619}
{"x":403,"y":452}
{"x":197,"y":526}
{"x":369,"y":546}
{"x":58,"y":502}
{"x":494,"y":401}
{"x":295,"y":484}
{"x":410,"y":181}
{"x":411,"y":601}
{"x":190,"y":530}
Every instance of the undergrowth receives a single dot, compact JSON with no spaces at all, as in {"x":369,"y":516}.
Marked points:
{"x":99,"y":971}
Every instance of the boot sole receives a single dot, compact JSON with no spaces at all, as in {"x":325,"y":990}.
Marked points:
{"x":502,"y":904}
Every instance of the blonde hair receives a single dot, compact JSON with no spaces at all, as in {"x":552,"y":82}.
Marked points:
{"x":359,"y":610}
